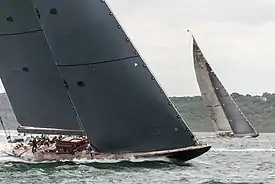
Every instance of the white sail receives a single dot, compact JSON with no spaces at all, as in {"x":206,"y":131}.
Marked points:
{"x":208,"y":94}
{"x":223,"y":109}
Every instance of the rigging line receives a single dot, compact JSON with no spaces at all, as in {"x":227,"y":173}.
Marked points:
{"x":78,"y":119}
{"x":239,"y":109}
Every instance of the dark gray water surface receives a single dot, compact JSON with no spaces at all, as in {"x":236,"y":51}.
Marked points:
{"x":230,"y":160}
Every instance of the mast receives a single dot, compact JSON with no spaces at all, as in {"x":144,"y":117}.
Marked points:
{"x":28,"y":71}
{"x":121,"y":105}
{"x":238,"y":122}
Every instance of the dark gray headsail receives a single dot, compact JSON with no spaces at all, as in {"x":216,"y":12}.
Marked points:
{"x":237,"y":120}
{"x":120,"y":104}
{"x":28,"y":71}
{"x":235,"y":117}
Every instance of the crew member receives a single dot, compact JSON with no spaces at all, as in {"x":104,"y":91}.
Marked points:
{"x":9,"y":138}
{"x":60,"y":137}
{"x":34,"y":145}
{"x":74,"y":149}
{"x":89,"y":148}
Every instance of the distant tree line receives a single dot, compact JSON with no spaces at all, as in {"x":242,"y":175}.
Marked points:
{"x":260,"y":110}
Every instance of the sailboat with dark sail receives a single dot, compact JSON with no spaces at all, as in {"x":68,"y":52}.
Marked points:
{"x":227,"y":117}
{"x":68,"y":66}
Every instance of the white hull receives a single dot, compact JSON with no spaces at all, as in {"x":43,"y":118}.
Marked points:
{"x":25,"y":153}
{"x":231,"y":134}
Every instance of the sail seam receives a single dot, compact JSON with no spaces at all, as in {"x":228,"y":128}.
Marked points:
{"x":95,"y":63}
{"x":26,"y":32}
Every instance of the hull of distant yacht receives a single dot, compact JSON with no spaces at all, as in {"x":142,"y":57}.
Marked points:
{"x":247,"y":135}
{"x":254,"y":136}
{"x":231,"y":134}
{"x":182,"y":154}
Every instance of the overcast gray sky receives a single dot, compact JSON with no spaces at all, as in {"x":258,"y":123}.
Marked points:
{"x":236,"y":36}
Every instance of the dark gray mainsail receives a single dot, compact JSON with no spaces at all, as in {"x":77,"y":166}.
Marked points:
{"x":234,"y":116}
{"x":121,"y":105}
{"x":28,"y":71}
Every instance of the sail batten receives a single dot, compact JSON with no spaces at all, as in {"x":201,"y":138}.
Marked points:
{"x":21,"y":33}
{"x":121,"y":105}
{"x":211,"y":85}
{"x":95,"y":63}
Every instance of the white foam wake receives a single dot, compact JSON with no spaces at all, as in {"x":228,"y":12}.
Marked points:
{"x":243,"y":150}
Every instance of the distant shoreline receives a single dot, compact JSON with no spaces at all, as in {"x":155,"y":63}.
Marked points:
{"x":260,"y":110}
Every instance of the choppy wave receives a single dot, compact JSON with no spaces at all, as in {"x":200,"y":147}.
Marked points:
{"x":230,"y":182}
{"x":236,"y":161}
